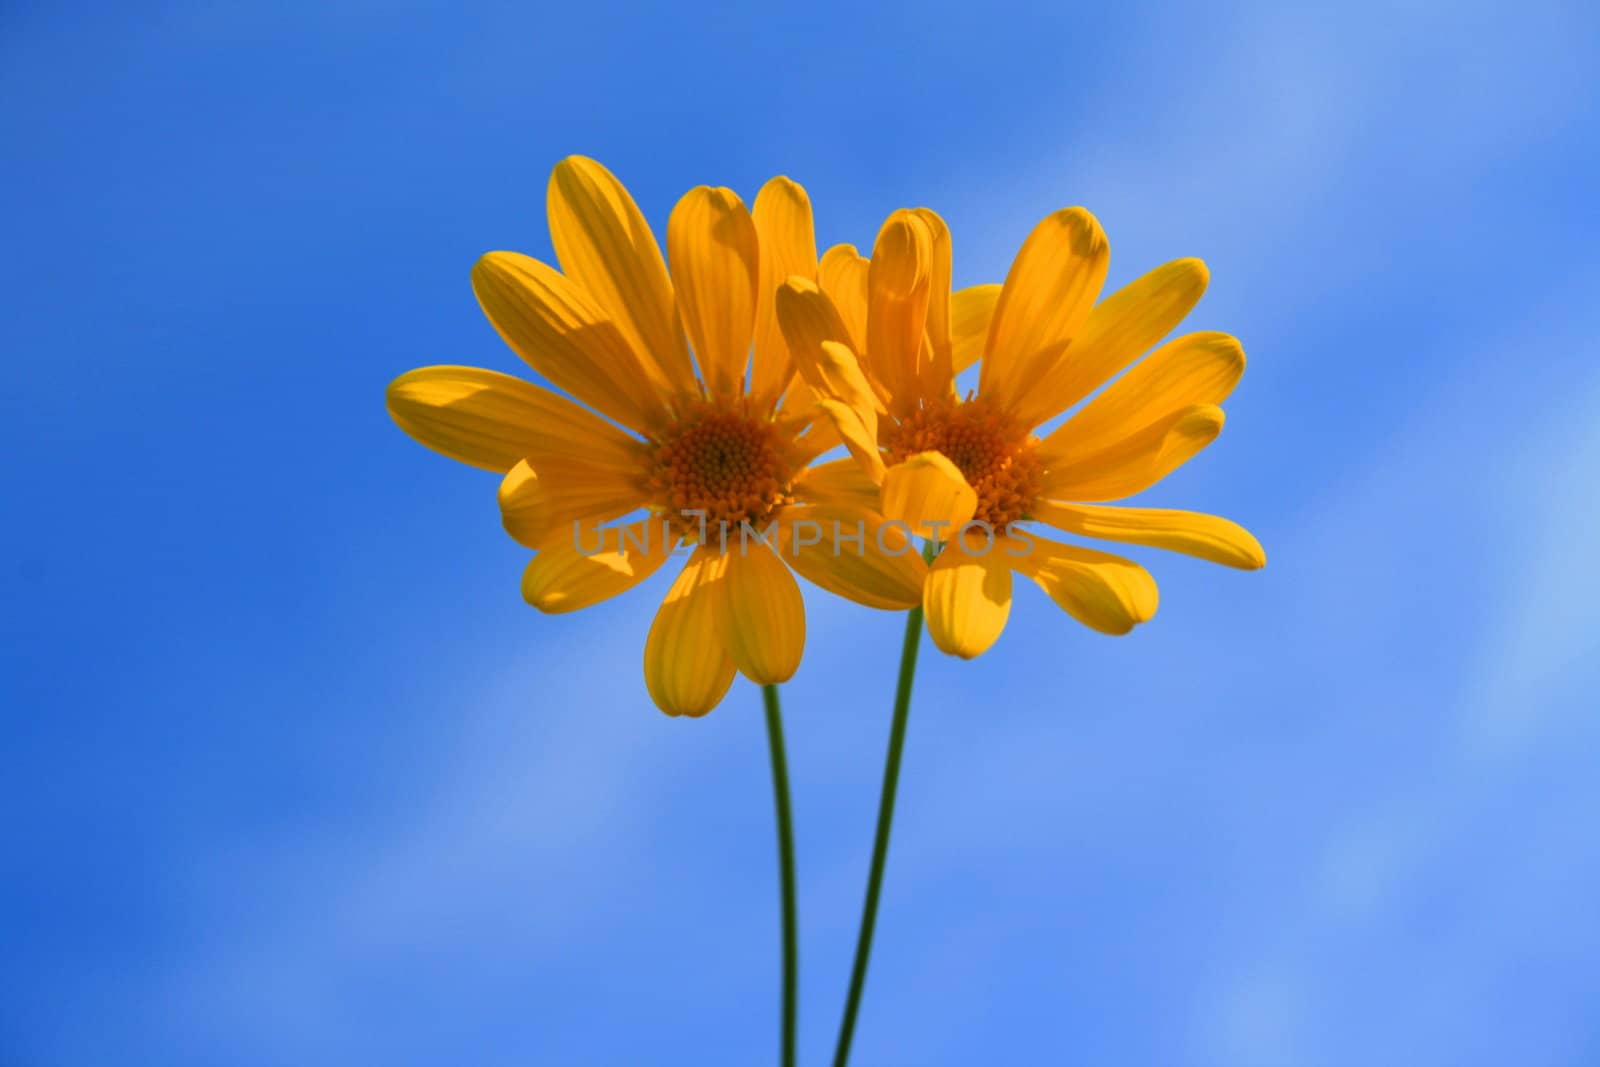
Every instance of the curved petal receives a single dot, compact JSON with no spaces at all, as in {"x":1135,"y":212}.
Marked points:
{"x":1206,"y":536}
{"x":1199,"y":368}
{"x":1104,"y":592}
{"x":810,"y":320}
{"x":967,"y":597}
{"x":837,"y":376}
{"x":762,"y":617}
{"x":819,"y":436}
{"x":605,"y":245}
{"x":686,"y":668}
{"x":840,"y":481}
{"x":782,"y":216}
{"x":898,"y":285}
{"x":842,"y":273}
{"x":855,"y":553}
{"x":971,"y":310}
{"x":1138,"y":461}
{"x":1120,"y":329}
{"x":862,"y":445}
{"x":553,"y":325}
{"x":811,"y":324}
{"x":935,"y":367}
{"x":580,"y":568}
{"x":716,"y":264}
{"x":536,"y":508}
{"x":928,"y":493}
{"x":1047,"y":297}
{"x":492,"y":420}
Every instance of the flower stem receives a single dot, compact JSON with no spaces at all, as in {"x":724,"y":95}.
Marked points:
{"x":791,"y":933}
{"x":880,"y":845}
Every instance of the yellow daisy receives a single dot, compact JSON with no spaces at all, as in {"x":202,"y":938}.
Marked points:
{"x":686,"y":375}
{"x":881,"y":342}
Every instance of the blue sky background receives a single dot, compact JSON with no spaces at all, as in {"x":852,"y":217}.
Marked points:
{"x":292,"y":776}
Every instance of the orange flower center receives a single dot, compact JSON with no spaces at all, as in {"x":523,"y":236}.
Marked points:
{"x":721,"y":461}
{"x":994,"y":452}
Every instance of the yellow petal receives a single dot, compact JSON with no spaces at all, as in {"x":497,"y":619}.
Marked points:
{"x":826,"y":364}
{"x":840,"y":481}
{"x":971,"y":310}
{"x":819,"y":436}
{"x":762,"y":617}
{"x":861,"y":444}
{"x":1047,"y":296}
{"x":967,"y":597}
{"x":606,"y":247}
{"x":1120,"y":329}
{"x":578,"y":568}
{"x":898,"y":284}
{"x":808,"y":320}
{"x":1199,"y":368}
{"x":855,"y":553}
{"x":843,"y":275}
{"x":552,"y":323}
{"x":686,"y":667}
{"x":935,"y":366}
{"x":1206,"y":536}
{"x":840,"y":378}
{"x":928,"y":493}
{"x":1104,"y":592}
{"x":535,"y":507}
{"x":1138,"y":461}
{"x":782,"y":216}
{"x":716,"y":264}
{"x":492,"y":420}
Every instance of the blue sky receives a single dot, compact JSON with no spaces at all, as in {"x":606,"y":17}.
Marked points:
{"x":292,"y":775}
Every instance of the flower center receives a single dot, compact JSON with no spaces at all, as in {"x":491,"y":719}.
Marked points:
{"x":991,"y":449}
{"x":724,"y":463}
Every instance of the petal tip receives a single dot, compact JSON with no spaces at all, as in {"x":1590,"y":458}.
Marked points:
{"x":1195,"y":268}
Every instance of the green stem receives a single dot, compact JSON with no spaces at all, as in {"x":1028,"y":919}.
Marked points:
{"x":791,"y":923}
{"x":880,"y":845}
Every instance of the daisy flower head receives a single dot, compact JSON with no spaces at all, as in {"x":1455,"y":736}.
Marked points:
{"x":881,"y":341}
{"x":676,"y":422}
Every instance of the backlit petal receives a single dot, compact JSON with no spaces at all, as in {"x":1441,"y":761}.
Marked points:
{"x":1206,"y":536}
{"x":716,"y":266}
{"x":1120,"y":329}
{"x":686,"y":667}
{"x":534,"y":507}
{"x":928,"y":493}
{"x":809,"y":320}
{"x":971,"y":310}
{"x":605,"y":245}
{"x":842,"y":274}
{"x":854,"y":552}
{"x":1136,"y":462}
{"x":838,"y":376}
{"x":839,"y":481}
{"x":967,"y":597}
{"x":861,"y":444}
{"x":898,"y":285}
{"x":935,"y":367}
{"x":1104,"y":592}
{"x":782,"y":216}
{"x":552,"y":323}
{"x":578,"y":568}
{"x":1047,"y":296}
{"x":492,"y":420}
{"x":763,"y":619}
{"x":1200,"y":368}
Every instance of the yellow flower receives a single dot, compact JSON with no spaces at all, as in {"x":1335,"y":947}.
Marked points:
{"x":679,"y":430}
{"x":881,"y":343}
